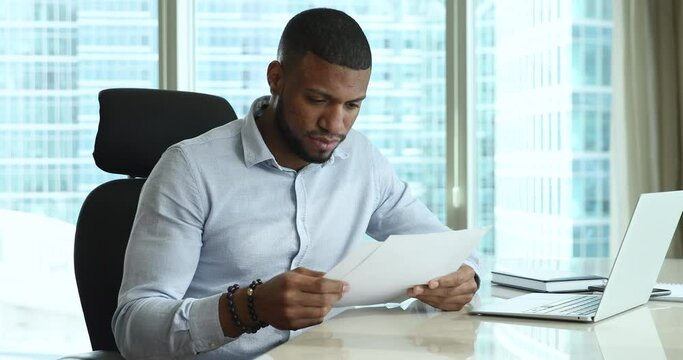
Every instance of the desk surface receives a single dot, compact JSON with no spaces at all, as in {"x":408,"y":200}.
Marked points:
{"x":652,"y":331}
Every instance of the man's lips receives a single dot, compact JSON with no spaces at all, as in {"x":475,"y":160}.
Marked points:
{"x":324,"y":143}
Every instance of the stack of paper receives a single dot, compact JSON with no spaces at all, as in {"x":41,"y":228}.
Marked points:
{"x":381,"y":272}
{"x":676,"y":292}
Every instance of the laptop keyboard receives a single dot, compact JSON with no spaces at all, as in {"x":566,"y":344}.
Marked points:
{"x":576,"y":305}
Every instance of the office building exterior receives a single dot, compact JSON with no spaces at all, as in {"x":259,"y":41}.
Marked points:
{"x":55,"y":55}
{"x":543,"y":112}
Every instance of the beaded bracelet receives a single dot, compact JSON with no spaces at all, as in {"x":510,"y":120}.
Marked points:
{"x":233,"y":312}
{"x":250,"y":304}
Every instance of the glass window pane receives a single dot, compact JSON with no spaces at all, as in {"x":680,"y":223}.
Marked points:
{"x":541,"y":116}
{"x":57,"y":55}
{"x":404,"y":113}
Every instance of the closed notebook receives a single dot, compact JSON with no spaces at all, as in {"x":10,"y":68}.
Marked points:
{"x":546,"y":280}
{"x":676,"y":292}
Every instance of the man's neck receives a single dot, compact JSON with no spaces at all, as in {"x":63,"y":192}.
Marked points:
{"x":275,"y":142}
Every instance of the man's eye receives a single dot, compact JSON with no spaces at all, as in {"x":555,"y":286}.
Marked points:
{"x":316,"y":100}
{"x":353,"y":105}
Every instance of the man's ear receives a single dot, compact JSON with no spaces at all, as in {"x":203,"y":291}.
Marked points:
{"x":275,"y":77}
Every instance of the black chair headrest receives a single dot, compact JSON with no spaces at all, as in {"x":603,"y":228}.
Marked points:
{"x":138,"y":125}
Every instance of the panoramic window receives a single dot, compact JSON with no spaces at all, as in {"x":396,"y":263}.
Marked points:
{"x":540,"y":126}
{"x":55,"y":56}
{"x":539,"y":123}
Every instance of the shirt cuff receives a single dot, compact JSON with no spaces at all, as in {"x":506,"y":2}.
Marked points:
{"x":477,"y":280}
{"x":206,"y":332}
{"x":473,"y":262}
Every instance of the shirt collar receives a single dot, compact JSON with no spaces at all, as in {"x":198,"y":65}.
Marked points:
{"x":255,"y":148}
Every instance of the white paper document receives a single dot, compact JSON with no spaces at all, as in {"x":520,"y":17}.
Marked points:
{"x":381,"y":272}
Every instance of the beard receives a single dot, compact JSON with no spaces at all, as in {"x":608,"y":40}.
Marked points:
{"x":296,"y":144}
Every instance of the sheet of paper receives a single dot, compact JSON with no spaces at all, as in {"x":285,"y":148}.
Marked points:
{"x":381,"y":272}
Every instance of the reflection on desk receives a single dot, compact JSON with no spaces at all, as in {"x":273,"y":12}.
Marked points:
{"x":419,"y":332}
{"x":652,"y":331}
{"x":631,"y":335}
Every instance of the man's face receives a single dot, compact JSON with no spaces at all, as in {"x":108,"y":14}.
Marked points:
{"x":317,"y":105}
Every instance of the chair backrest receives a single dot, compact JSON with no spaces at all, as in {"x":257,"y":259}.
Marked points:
{"x":136,"y":126}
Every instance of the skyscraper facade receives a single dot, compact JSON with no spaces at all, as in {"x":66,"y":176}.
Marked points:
{"x":543,"y":112}
{"x":55,"y":56}
{"x":483,"y":114}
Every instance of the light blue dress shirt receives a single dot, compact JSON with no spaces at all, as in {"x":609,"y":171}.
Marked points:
{"x":218,"y":209}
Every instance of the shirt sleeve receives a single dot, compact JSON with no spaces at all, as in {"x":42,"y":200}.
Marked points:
{"x":152,"y":319}
{"x":398,"y":211}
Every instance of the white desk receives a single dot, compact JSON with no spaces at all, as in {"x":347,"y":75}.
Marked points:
{"x":648,"y":332}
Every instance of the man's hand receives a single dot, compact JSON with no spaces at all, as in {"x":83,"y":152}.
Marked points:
{"x":449,"y":292}
{"x":297,"y":299}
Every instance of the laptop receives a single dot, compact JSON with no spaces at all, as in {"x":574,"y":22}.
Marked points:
{"x":631,"y":279}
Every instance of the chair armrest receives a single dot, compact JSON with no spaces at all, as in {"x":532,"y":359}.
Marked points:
{"x":94,"y":355}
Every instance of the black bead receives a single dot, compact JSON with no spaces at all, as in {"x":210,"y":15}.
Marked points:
{"x":252,"y":307}
{"x":233,"y":311}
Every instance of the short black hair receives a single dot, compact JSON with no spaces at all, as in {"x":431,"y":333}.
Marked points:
{"x":330,"y":34}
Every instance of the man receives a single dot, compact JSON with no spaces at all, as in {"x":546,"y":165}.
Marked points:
{"x":281,"y":195}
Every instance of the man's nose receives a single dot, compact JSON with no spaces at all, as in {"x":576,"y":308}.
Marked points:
{"x":333,"y":119}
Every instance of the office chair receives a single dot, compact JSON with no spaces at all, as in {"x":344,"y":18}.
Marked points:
{"x":136,"y":126}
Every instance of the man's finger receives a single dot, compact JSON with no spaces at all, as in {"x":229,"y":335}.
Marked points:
{"x":449,"y":304}
{"x":464,"y":288}
{"x":443,"y":292}
{"x":324,"y":286}
{"x":308,"y":272}
{"x":319,"y":300}
{"x":319,"y":284}
{"x":438,"y":292}
{"x":463,"y":274}
{"x":460,"y":299}
{"x":469,"y":287}
{"x":415,"y":290}
{"x":310,"y":313}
